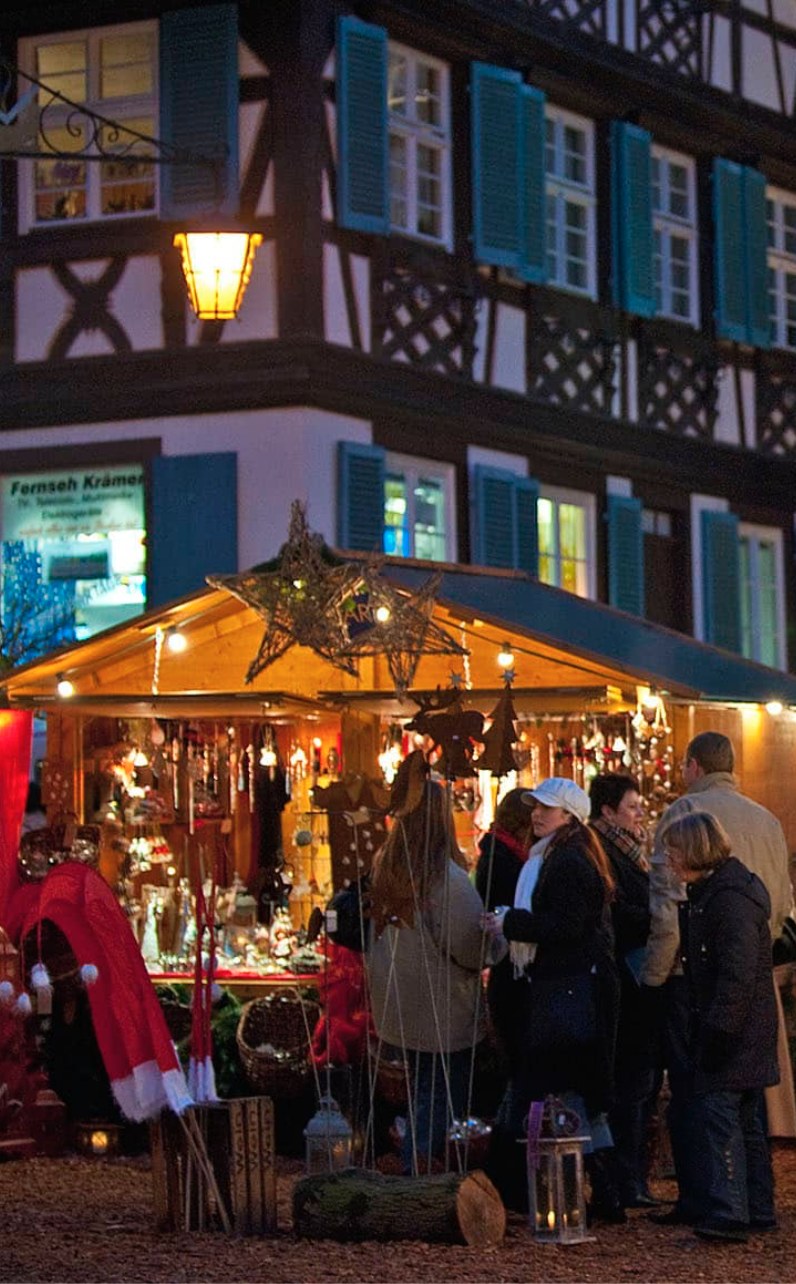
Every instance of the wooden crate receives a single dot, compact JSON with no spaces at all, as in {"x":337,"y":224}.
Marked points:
{"x":239,"y":1138}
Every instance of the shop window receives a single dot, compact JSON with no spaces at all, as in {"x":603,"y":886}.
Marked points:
{"x":112,"y":71}
{"x":781,"y":222}
{"x":418,"y":509}
{"x":419,"y":140}
{"x":674,"y":235}
{"x":762,"y":595}
{"x":571,"y":201}
{"x":566,"y":522}
{"x":73,"y":559}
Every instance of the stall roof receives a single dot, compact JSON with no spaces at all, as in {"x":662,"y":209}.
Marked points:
{"x":663,"y":657}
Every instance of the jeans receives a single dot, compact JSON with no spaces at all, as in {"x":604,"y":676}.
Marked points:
{"x":740,"y":1185}
{"x":690,"y":1160}
{"x":432,"y":1109}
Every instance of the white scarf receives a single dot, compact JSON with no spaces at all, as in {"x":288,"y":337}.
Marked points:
{"x":523,"y":953}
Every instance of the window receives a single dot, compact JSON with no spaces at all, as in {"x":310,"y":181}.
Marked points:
{"x":569,"y":166}
{"x":674,"y":235}
{"x":112,"y":71}
{"x":781,"y":219}
{"x":419,"y":130}
{"x":762,"y":595}
{"x":418,"y":509}
{"x":566,"y":540}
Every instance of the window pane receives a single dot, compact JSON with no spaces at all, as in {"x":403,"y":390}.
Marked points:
{"x":574,"y":155}
{"x":657,"y":197}
{"x":126,"y":65}
{"x":429,"y":191}
{"x":789,"y":242}
{"x":746,"y":600}
{"x":550,"y":146}
{"x":127,"y":187}
{"x":396,"y":534}
{"x":396,"y":91}
{"x":769,"y":616}
{"x":430,"y":519}
{"x":398,"y":181}
{"x":60,"y":183}
{"x":576,"y":245}
{"x":771,"y":221}
{"x":62,"y":67}
{"x":678,"y":191}
{"x":428,"y":104}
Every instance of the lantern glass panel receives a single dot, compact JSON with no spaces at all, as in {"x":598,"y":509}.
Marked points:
{"x":557,"y":1203}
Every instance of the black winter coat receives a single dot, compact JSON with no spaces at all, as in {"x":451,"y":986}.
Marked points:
{"x":569,"y":920}
{"x":497,"y":888}
{"x":726,"y":953}
{"x":630,"y":915}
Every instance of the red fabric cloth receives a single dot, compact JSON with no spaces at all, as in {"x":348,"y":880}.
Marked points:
{"x":341,"y":1034}
{"x":131,"y":1031}
{"x":16,"y":734}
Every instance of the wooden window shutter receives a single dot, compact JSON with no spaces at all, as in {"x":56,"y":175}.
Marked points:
{"x":729,"y":249}
{"x":363,"y":156}
{"x":360,"y":496}
{"x":526,"y":496}
{"x":199,"y":109}
{"x":534,"y":212}
{"x":721,"y":580}
{"x":758,"y":325}
{"x":193,"y":527}
{"x":497,"y":164}
{"x":631,"y":219}
{"x":625,"y":554}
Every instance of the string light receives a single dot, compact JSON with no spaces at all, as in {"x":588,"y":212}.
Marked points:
{"x":176,"y":641}
{"x":505,"y":656}
{"x":65,"y":687}
{"x":774,"y":707}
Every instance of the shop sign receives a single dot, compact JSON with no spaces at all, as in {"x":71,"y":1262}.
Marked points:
{"x":59,"y":505}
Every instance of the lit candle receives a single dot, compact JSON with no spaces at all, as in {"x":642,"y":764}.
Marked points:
{"x":99,"y":1143}
{"x":551,"y":1220}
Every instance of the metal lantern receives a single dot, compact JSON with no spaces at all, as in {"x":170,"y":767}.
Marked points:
{"x":556,"y":1194}
{"x":217,"y":266}
{"x":99,"y":1139}
{"x":328,"y":1138}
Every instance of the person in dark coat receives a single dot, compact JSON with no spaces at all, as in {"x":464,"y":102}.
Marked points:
{"x":726,"y":955}
{"x":503,"y":852}
{"x":617,"y":815}
{"x":559,"y":932}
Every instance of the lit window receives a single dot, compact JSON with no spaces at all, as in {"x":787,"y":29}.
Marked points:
{"x":418,"y":509}
{"x":419,"y":128}
{"x":762,"y":595}
{"x":674,"y":235}
{"x":571,"y":202}
{"x":110,"y":71}
{"x":565,"y":522}
{"x":782,"y":268}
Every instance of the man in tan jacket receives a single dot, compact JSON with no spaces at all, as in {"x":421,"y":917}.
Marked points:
{"x":757,"y":840}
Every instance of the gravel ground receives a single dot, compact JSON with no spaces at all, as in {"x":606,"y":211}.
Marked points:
{"x":77,"y":1219}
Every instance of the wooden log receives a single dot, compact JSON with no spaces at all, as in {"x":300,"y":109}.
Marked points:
{"x":356,"y":1204}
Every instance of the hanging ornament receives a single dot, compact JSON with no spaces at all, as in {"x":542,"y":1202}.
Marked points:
{"x":499,"y":756}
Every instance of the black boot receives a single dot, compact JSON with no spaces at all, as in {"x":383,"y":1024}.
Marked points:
{"x":606,"y":1202}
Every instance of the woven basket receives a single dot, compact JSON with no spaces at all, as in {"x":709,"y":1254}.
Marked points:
{"x":273,"y":1044}
{"x":391,"y":1075}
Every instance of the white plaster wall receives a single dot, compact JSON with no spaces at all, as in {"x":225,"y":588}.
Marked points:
{"x":631,"y":365}
{"x":509,"y":367}
{"x":258,"y":316}
{"x":619,"y":486}
{"x":43,"y":306}
{"x":759,"y":71}
{"x":719,"y":72}
{"x":282,"y":455}
{"x":728,"y":418}
{"x":478,"y":456}
{"x":336,"y":324}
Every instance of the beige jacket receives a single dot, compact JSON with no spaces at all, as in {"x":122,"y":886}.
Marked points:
{"x":757,"y":840}
{"x":425,"y":981}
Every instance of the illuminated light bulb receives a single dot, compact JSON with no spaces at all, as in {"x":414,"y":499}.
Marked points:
{"x":505,"y":656}
{"x":170,"y":871}
{"x":65,"y":687}
{"x":383,"y":614}
{"x":268,"y":756}
{"x":176,"y":641}
{"x":774,"y":707}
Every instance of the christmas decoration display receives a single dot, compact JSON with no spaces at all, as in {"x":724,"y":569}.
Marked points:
{"x":498,"y":755}
{"x":451,"y":729}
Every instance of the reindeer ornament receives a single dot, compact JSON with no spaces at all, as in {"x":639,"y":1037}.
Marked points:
{"x":453,"y":730}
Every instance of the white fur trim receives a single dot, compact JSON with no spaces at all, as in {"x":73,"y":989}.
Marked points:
{"x":202,"y":1080}
{"x":39,"y":977}
{"x":147,"y":1091}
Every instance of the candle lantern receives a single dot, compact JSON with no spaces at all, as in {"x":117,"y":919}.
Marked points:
{"x":556,"y":1195}
{"x":98,"y":1139}
{"x":328,"y":1138}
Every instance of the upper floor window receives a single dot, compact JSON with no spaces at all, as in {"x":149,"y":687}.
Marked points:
{"x":110,"y":71}
{"x":418,"y":121}
{"x":762,"y":595}
{"x":565,"y":521}
{"x":781,"y":215}
{"x":674,"y":235}
{"x":419,"y":509}
{"x":571,"y":201}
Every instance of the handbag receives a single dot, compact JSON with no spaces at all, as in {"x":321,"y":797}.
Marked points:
{"x":562,"y":1011}
{"x":783,"y":949}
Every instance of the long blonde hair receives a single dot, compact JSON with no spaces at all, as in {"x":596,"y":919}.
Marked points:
{"x":413,"y":859}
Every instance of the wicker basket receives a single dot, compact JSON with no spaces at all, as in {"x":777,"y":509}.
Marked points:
{"x":273,"y":1044}
{"x":391,"y":1077}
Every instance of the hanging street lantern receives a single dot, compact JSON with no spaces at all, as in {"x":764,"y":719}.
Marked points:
{"x":556,"y":1195}
{"x":217,"y":267}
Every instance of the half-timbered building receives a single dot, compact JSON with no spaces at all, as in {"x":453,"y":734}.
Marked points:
{"x":526,"y":299}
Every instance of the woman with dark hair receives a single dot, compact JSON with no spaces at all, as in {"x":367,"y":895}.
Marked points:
{"x":424,"y":964}
{"x":617,"y":816}
{"x":559,"y":936}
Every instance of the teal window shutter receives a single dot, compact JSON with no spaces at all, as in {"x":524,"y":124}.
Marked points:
{"x":503,"y":516}
{"x":360,"y":496}
{"x":193,"y":527}
{"x":533,"y":265}
{"x":199,"y":109}
{"x":729,"y":249}
{"x":625,"y":554}
{"x":631,"y":219}
{"x":363,"y":156}
{"x":496,"y":138}
{"x":758,"y":325}
{"x":721,"y":580}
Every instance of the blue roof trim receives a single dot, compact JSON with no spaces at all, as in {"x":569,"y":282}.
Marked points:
{"x":648,"y":651}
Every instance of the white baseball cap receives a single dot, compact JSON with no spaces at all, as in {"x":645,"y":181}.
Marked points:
{"x":560,"y":791}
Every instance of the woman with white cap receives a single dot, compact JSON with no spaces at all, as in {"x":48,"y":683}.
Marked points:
{"x":560,"y":943}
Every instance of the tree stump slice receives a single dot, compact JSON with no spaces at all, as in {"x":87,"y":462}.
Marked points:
{"x":356,"y":1204}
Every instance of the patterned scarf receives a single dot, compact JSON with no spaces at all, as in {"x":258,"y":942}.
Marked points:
{"x":628,"y":844}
